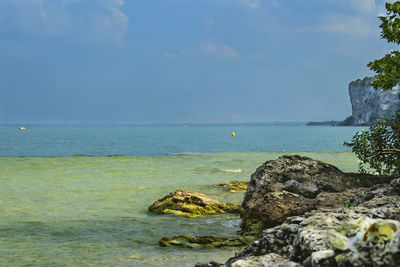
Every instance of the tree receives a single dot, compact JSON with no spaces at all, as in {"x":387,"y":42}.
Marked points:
{"x":379,"y":147}
{"x":388,"y":67}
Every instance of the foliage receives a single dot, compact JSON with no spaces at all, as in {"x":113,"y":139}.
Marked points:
{"x":347,"y":204}
{"x":388,"y":67}
{"x":379,"y":147}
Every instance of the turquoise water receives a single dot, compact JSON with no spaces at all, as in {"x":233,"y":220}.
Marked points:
{"x":164,"y":140}
{"x":90,"y":209}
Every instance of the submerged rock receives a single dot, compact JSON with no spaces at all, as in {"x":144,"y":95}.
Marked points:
{"x":234,"y":186}
{"x":192,"y":204}
{"x":204,"y":241}
{"x":293,"y":185}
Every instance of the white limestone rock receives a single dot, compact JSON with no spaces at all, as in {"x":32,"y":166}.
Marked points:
{"x":368,"y":103}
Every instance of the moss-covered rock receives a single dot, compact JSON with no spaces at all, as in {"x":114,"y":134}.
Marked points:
{"x":252,"y":227}
{"x":234,"y":186}
{"x":205,"y":241}
{"x":192,"y":204}
{"x":292,"y":185}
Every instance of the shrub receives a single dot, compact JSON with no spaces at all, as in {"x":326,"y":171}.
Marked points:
{"x":378,"y":148}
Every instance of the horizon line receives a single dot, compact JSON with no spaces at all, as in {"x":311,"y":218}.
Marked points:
{"x":265,"y":123}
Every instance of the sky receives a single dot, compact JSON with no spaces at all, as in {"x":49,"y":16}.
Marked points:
{"x":183,"y":61}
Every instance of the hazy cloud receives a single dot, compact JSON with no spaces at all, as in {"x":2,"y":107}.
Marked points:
{"x":251,"y":3}
{"x":172,"y":55}
{"x":219,"y":50}
{"x":340,"y":24}
{"x":365,"y":5}
{"x":99,"y":20}
{"x":369,"y":7}
{"x":114,"y":22}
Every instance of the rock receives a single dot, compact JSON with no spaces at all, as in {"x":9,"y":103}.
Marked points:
{"x":235,"y":186}
{"x":293,"y":185}
{"x":268,"y":260}
{"x":366,"y":241}
{"x":368,"y":103}
{"x":204,"y":241}
{"x":377,"y":193}
{"x":191,"y":204}
{"x":323,"y":257}
{"x":274,"y":209}
{"x":365,"y":235}
{"x":296,"y":174}
{"x":210,"y":264}
{"x":347,"y":122}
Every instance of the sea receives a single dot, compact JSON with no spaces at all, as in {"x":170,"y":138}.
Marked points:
{"x":78,"y":195}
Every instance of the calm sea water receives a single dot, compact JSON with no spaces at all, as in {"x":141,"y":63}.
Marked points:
{"x":78,"y":196}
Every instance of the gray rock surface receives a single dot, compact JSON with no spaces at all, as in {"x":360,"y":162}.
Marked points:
{"x":365,"y":235}
{"x":268,"y":260}
{"x":368,"y":103}
{"x":292,"y":185}
{"x":314,"y":227}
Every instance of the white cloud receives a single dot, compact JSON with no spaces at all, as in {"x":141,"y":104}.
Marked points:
{"x":365,"y":5}
{"x":346,"y":25}
{"x":97,"y":20}
{"x":254,"y":4}
{"x":114,"y":22}
{"x":251,"y":3}
{"x":370,"y":7}
{"x":219,"y":50}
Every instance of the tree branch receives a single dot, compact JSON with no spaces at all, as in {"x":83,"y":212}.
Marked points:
{"x":390,"y":151}
{"x":387,"y":151}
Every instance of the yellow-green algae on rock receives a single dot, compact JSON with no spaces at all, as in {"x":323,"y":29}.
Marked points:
{"x":192,"y":204}
{"x":205,"y":241}
{"x":378,"y":237}
{"x":234,"y":186}
{"x":363,"y":232}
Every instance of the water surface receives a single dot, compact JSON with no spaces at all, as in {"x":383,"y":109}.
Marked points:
{"x":57,"y":209}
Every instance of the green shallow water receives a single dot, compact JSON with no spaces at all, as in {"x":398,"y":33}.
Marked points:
{"x":92,"y":211}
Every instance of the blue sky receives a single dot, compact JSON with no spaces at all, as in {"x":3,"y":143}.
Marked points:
{"x":180,"y":61}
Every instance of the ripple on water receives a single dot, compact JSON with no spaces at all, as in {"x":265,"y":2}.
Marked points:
{"x":93,"y":210}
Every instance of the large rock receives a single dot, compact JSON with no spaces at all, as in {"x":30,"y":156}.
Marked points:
{"x":293,"y":185}
{"x":365,"y":235}
{"x":191,"y":204}
{"x":368,"y":104}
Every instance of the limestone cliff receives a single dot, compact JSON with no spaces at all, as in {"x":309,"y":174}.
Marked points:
{"x":368,"y":103}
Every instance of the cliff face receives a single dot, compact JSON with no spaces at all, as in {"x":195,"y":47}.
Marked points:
{"x":368,"y":103}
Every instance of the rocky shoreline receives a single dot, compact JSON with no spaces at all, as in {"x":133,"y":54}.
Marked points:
{"x":303,"y":212}
{"x":363,"y":235}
